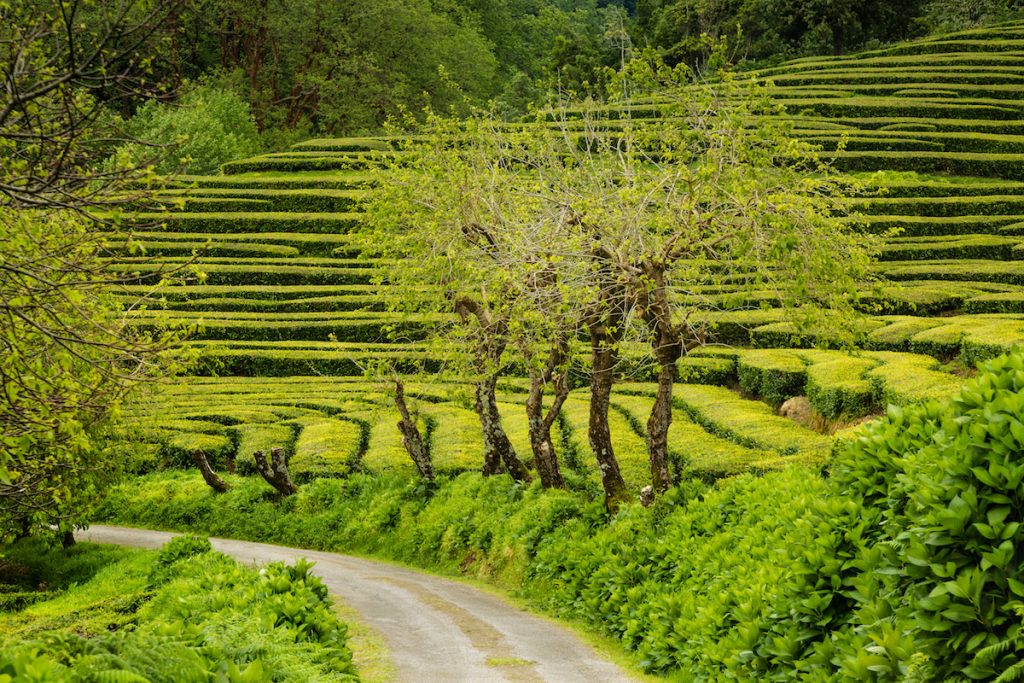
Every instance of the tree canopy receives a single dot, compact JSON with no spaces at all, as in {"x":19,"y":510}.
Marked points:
{"x":588,"y":220}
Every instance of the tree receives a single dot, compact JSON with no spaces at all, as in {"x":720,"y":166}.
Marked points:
{"x":629,"y":222}
{"x":68,"y":69}
{"x":207,"y":127}
{"x":68,"y":355}
{"x":711,"y":189}
{"x":458,"y":218}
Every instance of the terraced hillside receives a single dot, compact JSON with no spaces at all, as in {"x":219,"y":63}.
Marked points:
{"x":288,"y":315}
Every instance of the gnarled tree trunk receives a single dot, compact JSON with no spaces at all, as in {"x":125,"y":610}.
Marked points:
{"x":412,"y":440}
{"x":492,"y":340}
{"x":651,"y":298}
{"x":605,"y":357}
{"x":275,"y":472}
{"x":658,"y":425}
{"x":209,"y":476}
{"x":540,"y":422}
{"x":497,"y":446}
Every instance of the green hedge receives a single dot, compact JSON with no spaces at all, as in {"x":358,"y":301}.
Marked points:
{"x":278,"y":200}
{"x":195,"y":204}
{"x":345,"y":145}
{"x":261,"y":437}
{"x":330,"y":223}
{"x":208,"y":248}
{"x":223,"y":274}
{"x":296,"y":161}
{"x":275,"y":181}
{"x":1010,"y":272}
{"x":929,"y":226}
{"x":749,"y":423}
{"x":836,"y":384}
{"x":774,"y":375}
{"x":1008,"y":166}
{"x":328,"y":448}
{"x":903,"y":106}
{"x":950,"y":206}
{"x":184,"y":293}
{"x":695,"y":369}
{"x":325,"y":304}
{"x":285,"y":362}
{"x":993,"y":247}
{"x":999,"y":302}
{"x":925,"y":186}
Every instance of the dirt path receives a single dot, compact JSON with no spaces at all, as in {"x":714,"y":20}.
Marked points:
{"x":437,"y":630}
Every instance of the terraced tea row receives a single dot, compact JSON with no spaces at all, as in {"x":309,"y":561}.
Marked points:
{"x":332,"y":426}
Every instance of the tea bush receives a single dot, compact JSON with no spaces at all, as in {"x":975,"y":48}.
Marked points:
{"x":194,"y":615}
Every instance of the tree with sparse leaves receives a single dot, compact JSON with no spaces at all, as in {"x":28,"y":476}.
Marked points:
{"x":612,"y":228}
{"x":68,"y":355}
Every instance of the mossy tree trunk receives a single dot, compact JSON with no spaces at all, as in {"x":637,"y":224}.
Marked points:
{"x":541,"y":421}
{"x":412,"y":440}
{"x":669,"y":341}
{"x":492,"y":339}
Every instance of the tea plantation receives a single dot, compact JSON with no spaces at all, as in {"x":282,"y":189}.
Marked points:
{"x":798,"y":545}
{"x":288,"y":314}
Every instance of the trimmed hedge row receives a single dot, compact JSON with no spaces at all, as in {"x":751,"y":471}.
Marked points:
{"x":947,"y":187}
{"x":774,"y":375}
{"x":901,"y":106}
{"x":836,"y":384}
{"x":345,"y":145}
{"x":948,"y":206}
{"x":300,"y":161}
{"x":224,"y":274}
{"x":279,"y":200}
{"x":1011,"y":272}
{"x":749,"y":423}
{"x":957,"y":247}
{"x":183,"y":247}
{"x":330,"y":223}
{"x":1009,"y":166}
{"x":287,"y":362}
{"x":304,"y":245}
{"x":369,"y":329}
{"x":934,"y":226}
{"x":328,"y":448}
{"x":998,"y":302}
{"x":271,"y":181}
{"x":695,"y":451}
{"x":911,"y":140}
{"x":986,"y":79}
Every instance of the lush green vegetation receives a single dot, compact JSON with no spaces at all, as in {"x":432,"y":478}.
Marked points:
{"x":901,"y":561}
{"x":784,"y":544}
{"x":184,"y":613}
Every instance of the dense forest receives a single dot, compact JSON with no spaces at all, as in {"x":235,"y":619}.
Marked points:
{"x":306,"y":68}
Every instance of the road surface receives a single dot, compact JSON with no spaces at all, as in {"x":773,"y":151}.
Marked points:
{"x":437,"y":630}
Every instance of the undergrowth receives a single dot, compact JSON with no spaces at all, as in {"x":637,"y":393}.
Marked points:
{"x":179,"y":615}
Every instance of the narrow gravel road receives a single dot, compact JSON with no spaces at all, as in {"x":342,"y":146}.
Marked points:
{"x":437,"y":630}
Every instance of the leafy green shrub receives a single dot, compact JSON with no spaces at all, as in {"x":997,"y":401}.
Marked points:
{"x":773,"y":375}
{"x":208,"y":127}
{"x":175,"y":550}
{"x":211,"y":619}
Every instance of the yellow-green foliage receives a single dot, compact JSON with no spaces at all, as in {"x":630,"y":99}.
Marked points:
{"x":750,"y":423}
{"x":325,"y":448}
{"x":772,"y":374}
{"x":836,"y":383}
{"x":904,"y":378}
